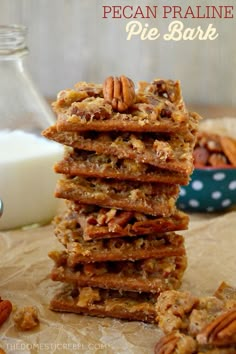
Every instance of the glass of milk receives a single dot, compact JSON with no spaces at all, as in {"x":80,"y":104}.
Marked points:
{"x":27,"y":180}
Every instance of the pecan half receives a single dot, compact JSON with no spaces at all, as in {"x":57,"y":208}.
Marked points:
{"x":176,"y":342}
{"x":166,"y":344}
{"x":5,"y":310}
{"x":200,"y":156}
{"x":119,"y":92}
{"x":229,"y":147}
{"x":221,"y":331}
{"x":217,"y":159}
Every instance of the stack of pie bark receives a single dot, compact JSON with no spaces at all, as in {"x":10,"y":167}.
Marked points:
{"x":127,"y":151}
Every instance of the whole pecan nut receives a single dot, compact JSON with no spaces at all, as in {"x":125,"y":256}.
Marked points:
{"x":217,"y":160}
{"x":5,"y":310}
{"x":229,"y":148}
{"x":200,"y":156}
{"x":176,"y":342}
{"x":221,"y":331}
{"x":119,"y":92}
{"x":166,"y":344}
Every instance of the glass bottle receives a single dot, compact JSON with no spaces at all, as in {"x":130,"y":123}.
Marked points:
{"x":26,"y":177}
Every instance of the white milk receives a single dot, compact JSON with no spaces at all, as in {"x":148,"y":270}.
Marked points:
{"x":27,"y":179}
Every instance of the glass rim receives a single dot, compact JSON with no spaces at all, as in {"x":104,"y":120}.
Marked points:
{"x":12,"y":41}
{"x":13,"y":29}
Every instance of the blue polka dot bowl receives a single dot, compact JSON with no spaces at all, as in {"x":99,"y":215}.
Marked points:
{"x":210,"y":190}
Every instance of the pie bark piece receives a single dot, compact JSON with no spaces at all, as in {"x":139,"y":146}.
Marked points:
{"x":154,"y":199}
{"x":154,"y":109}
{"x":95,"y":222}
{"x":171,"y":152}
{"x":105,"y":303}
{"x":90,"y":164}
{"x":112,"y":249}
{"x":146,"y":275}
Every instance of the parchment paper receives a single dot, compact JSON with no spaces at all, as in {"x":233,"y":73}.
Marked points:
{"x":25,"y":266}
{"x":210,"y":244}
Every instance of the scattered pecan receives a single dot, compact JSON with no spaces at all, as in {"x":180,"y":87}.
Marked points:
{"x":200,"y":156}
{"x":229,"y":148}
{"x":214,"y":150}
{"x":26,"y":318}
{"x":217,"y":159}
{"x":213,"y":144}
{"x":221,"y":331}
{"x":5,"y":310}
{"x":176,"y":342}
{"x":119,"y":92}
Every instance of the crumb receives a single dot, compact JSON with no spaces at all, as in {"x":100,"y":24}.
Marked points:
{"x":26,"y":318}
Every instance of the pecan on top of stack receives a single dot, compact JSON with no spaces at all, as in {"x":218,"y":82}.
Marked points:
{"x":127,"y":151}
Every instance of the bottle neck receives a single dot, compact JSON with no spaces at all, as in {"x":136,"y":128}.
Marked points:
{"x":12,"y":42}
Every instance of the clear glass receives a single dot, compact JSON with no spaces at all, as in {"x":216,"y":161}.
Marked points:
{"x":21,"y":105}
{"x":27,"y":180}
